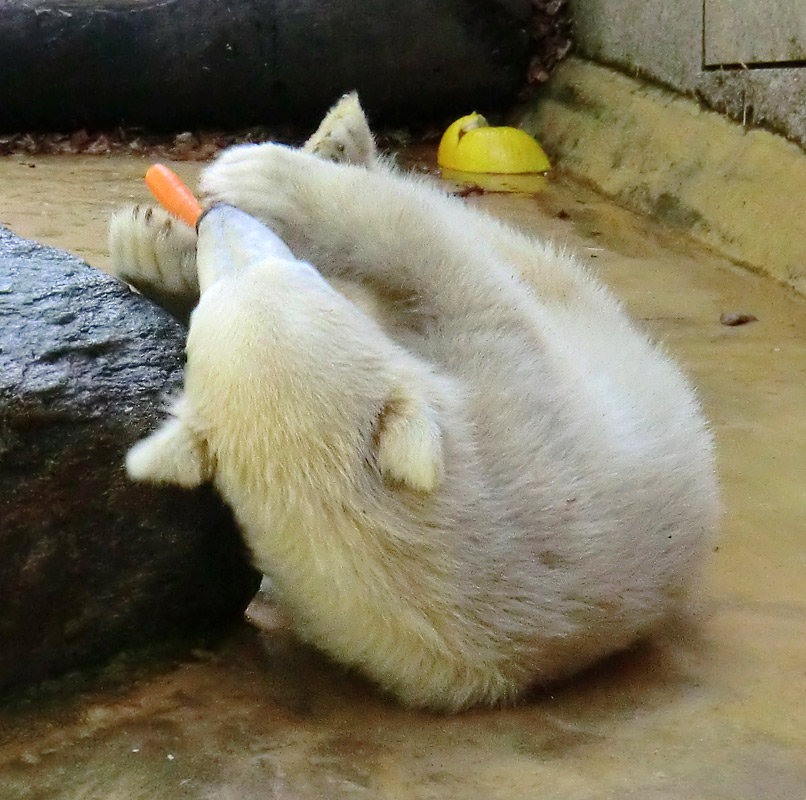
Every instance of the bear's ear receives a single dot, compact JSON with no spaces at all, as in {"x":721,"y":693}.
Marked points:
{"x":344,"y":135}
{"x":172,"y":454}
{"x":409,"y":441}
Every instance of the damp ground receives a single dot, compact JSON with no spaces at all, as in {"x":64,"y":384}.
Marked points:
{"x":715,"y":710}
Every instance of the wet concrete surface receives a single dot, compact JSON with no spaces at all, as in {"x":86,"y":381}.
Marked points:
{"x":715,"y":709}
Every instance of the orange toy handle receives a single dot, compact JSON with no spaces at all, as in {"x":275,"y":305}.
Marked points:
{"x":172,"y":194}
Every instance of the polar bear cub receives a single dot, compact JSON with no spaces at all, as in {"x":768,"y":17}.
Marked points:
{"x":463,"y":468}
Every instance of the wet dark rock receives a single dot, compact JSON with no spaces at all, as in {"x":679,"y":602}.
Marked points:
{"x":178,"y":64}
{"x":91,"y":563}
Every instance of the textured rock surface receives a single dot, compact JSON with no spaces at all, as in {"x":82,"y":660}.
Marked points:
{"x":91,"y":563}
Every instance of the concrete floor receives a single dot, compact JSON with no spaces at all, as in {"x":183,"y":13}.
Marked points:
{"x":716,"y":710}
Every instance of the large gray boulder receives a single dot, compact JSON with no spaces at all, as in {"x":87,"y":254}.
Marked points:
{"x":91,"y":563}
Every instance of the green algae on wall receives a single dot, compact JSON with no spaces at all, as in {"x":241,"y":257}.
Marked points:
{"x":735,"y":189}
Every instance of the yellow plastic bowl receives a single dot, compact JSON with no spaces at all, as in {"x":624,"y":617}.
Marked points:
{"x":471,"y":145}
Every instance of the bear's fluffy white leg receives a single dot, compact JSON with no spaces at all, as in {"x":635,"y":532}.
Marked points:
{"x":172,"y":454}
{"x":156,"y":253}
{"x":344,"y":136}
{"x":420,"y":243}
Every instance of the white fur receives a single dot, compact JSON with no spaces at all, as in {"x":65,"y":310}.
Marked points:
{"x":459,"y":483}
{"x":156,"y":253}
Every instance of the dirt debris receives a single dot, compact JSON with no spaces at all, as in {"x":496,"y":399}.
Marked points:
{"x":182,"y":146}
{"x":734,"y":318}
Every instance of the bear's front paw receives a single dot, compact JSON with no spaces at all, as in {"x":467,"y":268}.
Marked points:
{"x":271,"y":182}
{"x":172,"y":454}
